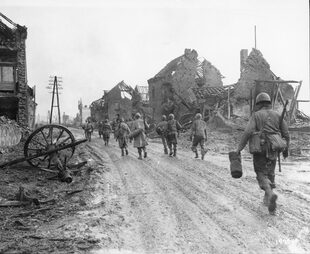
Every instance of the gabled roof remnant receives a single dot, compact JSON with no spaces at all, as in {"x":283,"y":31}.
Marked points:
{"x":126,"y":90}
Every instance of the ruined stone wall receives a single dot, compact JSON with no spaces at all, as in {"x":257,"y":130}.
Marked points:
{"x":22,"y":78}
{"x":211,"y":75}
{"x":255,"y":68}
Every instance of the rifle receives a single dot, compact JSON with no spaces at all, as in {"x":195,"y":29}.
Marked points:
{"x":281,"y":120}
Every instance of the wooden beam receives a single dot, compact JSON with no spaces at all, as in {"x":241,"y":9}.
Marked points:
{"x":278,"y":81}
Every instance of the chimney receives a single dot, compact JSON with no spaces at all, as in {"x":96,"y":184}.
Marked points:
{"x":243,"y":57}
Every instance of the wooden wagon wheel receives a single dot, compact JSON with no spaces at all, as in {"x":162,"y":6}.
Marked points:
{"x":46,"y":138}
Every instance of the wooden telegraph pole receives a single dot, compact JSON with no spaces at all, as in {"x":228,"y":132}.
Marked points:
{"x":55,"y":85}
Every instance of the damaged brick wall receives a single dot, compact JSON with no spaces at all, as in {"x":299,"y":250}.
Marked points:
{"x":21,"y":36}
{"x":178,"y":76}
{"x":212,"y":76}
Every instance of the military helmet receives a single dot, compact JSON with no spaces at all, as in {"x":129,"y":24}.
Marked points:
{"x":137,"y":115}
{"x":198,"y":116}
{"x":164,"y":118}
{"x":263,"y":97}
{"x":171,"y":116}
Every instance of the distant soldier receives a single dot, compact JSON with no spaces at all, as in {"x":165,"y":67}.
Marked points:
{"x":161,"y":130}
{"x":199,"y":132}
{"x":106,"y":130}
{"x":100,"y":129}
{"x":122,"y":136}
{"x":88,"y":130}
{"x":139,"y":126}
{"x":267,"y":122}
{"x":173,"y":128}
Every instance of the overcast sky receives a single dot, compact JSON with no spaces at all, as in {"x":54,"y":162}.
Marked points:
{"x":93,"y":45}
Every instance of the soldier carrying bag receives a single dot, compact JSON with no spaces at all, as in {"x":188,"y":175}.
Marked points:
{"x":257,"y":141}
{"x":277,"y":143}
{"x":273,"y":140}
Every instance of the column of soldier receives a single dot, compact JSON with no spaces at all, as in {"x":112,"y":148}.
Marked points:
{"x":264,"y":120}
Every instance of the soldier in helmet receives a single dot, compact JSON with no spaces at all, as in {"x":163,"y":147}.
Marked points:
{"x":199,"y":131}
{"x":140,"y":141}
{"x":122,"y":136}
{"x":106,"y":130}
{"x":173,"y":128}
{"x":161,"y":130}
{"x":266,"y":121}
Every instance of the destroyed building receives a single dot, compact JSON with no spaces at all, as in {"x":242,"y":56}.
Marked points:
{"x":118,"y":101}
{"x":16,"y":97}
{"x":123,"y":100}
{"x":169,"y":89}
{"x":253,"y":68}
{"x":98,"y":109}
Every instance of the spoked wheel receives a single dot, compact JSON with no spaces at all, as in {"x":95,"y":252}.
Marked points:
{"x":46,"y":138}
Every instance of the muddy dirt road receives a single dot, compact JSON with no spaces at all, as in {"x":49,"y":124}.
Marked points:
{"x":186,"y":205}
{"x":158,"y":205}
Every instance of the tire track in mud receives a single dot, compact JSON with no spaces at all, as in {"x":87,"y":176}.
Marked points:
{"x":290,"y":224}
{"x":245,"y":187}
{"x":146,"y":205}
{"x":220,"y":214}
{"x":211,"y":233}
{"x":204,"y":218}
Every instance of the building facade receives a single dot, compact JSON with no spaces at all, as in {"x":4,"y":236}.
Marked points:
{"x":17,"y":99}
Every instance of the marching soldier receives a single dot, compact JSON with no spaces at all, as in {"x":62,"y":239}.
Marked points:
{"x":88,"y":130}
{"x":268,"y":122}
{"x":122,"y":136}
{"x":199,"y":132}
{"x":106,"y":130}
{"x":173,"y":128}
{"x":140,"y":142}
{"x":100,"y":127}
{"x":161,"y":130}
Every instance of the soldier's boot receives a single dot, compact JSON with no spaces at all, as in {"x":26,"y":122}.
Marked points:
{"x":272,"y":206}
{"x":140,"y":154}
{"x":203,"y":153}
{"x":123,"y":152}
{"x":271,"y":197}
{"x":145,"y":154}
{"x":265,"y":200}
{"x":174,"y":151}
{"x":170,"y":151}
{"x":165,"y":150}
{"x":196,"y":154}
{"x":126,"y":152}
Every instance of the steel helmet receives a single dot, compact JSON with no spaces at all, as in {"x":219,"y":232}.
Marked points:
{"x":171,"y":116}
{"x":263,"y":97}
{"x":164,"y":118}
{"x":137,"y":115}
{"x":198,"y":116}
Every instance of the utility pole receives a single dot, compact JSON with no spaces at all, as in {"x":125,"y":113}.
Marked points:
{"x":255,"y":36}
{"x":55,"y":85}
